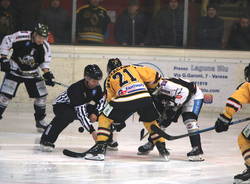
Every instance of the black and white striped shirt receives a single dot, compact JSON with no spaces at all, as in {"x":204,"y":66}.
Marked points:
{"x":78,"y":97}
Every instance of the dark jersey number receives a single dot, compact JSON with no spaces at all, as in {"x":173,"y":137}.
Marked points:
{"x":121,"y":77}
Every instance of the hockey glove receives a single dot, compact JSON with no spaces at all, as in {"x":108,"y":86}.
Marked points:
{"x":48,"y":76}
{"x":5,"y":64}
{"x":118,"y":126}
{"x":222,"y":123}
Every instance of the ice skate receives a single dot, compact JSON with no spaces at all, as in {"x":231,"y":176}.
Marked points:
{"x":243,"y":178}
{"x":163,"y":152}
{"x":41,"y":125}
{"x":113,"y":145}
{"x":97,"y":152}
{"x":145,"y":149}
{"x":46,"y":146}
{"x":195,"y":155}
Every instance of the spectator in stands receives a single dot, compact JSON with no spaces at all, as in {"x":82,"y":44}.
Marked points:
{"x":239,"y":38}
{"x":167,"y":26}
{"x":91,"y":23}
{"x":7,"y":18}
{"x":28,"y":13}
{"x":131,"y":25}
{"x":57,"y":20}
{"x":211,"y":28}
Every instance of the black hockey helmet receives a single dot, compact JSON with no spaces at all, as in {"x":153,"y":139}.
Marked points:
{"x":42,"y":29}
{"x":93,"y":71}
{"x":113,"y":63}
{"x":247,"y":73}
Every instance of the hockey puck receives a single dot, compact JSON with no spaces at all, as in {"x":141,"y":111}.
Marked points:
{"x":81,"y":129}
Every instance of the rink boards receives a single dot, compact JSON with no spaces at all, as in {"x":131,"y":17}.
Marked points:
{"x":217,"y":73}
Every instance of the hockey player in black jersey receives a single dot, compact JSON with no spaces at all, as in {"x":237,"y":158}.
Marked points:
{"x":73,"y":104}
{"x":31,"y":51}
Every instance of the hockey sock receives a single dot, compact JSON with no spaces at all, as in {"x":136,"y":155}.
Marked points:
{"x":195,"y":141}
{"x":154,"y":136}
{"x":39,"y":112}
{"x":244,"y":145}
{"x":4,"y":101}
{"x":104,"y":130}
{"x":2,"y":109}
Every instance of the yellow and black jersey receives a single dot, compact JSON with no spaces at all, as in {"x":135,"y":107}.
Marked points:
{"x":92,"y":23}
{"x":235,"y":101}
{"x":127,"y":83}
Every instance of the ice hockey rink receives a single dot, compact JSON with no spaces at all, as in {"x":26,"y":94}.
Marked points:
{"x":22,"y":162}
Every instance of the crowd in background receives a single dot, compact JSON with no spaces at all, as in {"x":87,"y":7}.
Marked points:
{"x":141,"y":23}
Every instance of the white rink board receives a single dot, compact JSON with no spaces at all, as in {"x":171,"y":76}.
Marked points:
{"x":218,"y":73}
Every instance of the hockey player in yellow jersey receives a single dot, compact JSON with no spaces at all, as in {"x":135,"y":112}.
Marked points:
{"x":233,"y":105}
{"x":127,"y":93}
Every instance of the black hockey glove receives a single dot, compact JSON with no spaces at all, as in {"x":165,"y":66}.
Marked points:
{"x":5,"y":64}
{"x":118,"y":126}
{"x":91,"y":109}
{"x":222,"y":123}
{"x":48,"y":76}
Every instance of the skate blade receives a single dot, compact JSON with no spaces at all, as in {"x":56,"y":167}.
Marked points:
{"x":46,"y":148}
{"x":99,"y":157}
{"x":112,"y":148}
{"x":238,"y":181}
{"x":143,"y":153}
{"x":164,"y":158}
{"x":197,"y":158}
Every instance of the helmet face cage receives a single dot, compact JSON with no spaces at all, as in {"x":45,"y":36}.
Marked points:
{"x":247,"y":73}
{"x":93,"y":72}
{"x":42,"y":30}
{"x":113,"y":63}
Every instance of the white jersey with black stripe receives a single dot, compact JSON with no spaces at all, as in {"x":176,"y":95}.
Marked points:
{"x":26,"y":57}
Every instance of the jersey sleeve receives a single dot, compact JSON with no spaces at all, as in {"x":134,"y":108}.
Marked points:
{"x":100,"y":100}
{"x":235,"y":101}
{"x":149,"y":76}
{"x":82,"y":115}
{"x":6,"y":44}
{"x":47,"y":56}
{"x":110,"y":92}
{"x":8,"y":41}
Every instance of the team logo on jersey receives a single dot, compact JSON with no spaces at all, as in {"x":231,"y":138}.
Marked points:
{"x":94,"y":92}
{"x":131,"y":89}
{"x":28,"y":60}
{"x":27,"y":43}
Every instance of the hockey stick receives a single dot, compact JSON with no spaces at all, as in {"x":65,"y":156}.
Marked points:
{"x":73,"y":153}
{"x":61,"y":84}
{"x":170,"y":137}
{"x":142,"y":136}
{"x":36,"y":75}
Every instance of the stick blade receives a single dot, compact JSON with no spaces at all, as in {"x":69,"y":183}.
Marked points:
{"x":73,"y":153}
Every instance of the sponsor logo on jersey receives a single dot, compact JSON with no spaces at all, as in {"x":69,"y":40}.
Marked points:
{"x":132,"y":88}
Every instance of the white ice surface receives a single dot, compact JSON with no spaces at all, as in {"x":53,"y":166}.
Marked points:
{"x":22,"y":163}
